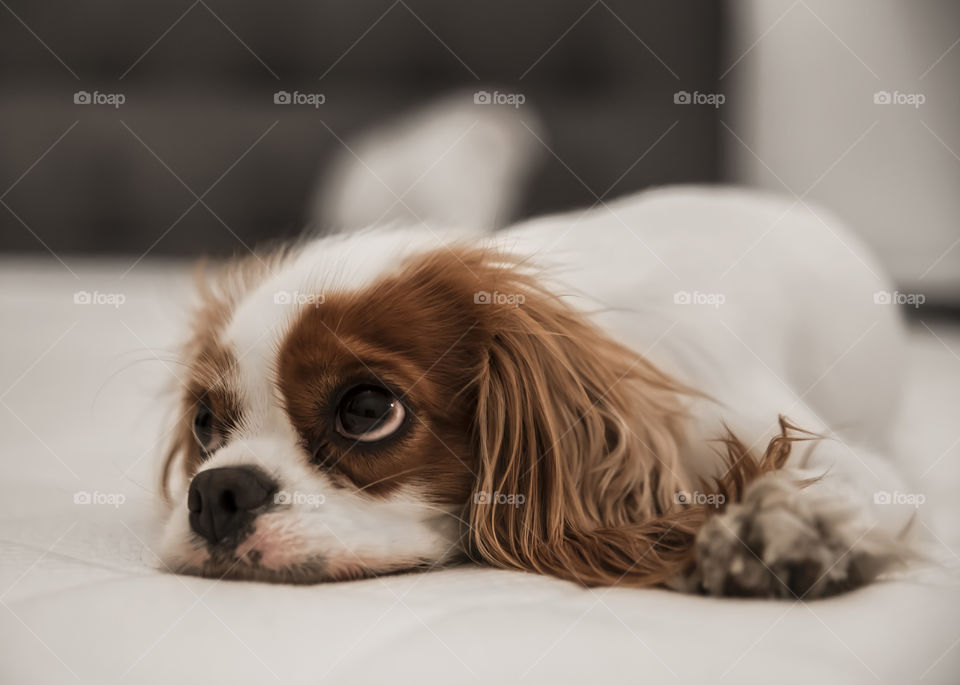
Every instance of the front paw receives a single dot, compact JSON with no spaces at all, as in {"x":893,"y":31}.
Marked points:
{"x":784,"y":541}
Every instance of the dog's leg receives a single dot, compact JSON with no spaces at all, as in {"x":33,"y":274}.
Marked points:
{"x":832,"y":519}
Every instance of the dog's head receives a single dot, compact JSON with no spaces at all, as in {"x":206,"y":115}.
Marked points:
{"x":368,"y":404}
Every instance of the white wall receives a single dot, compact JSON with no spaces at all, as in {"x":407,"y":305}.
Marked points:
{"x":802,"y":99}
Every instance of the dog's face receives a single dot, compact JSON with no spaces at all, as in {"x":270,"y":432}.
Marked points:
{"x":350,"y":411}
{"x":324,"y":434}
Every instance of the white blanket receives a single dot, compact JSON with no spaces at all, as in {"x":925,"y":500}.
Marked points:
{"x":83,"y":599}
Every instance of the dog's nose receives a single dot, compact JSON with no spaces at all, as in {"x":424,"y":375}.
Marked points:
{"x":220,"y":500}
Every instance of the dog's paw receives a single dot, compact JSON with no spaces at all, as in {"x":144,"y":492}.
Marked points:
{"x":783,"y":541}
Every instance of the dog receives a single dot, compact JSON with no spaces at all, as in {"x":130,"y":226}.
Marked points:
{"x":689,"y":387}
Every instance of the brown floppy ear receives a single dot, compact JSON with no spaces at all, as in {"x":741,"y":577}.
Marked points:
{"x":578,"y":442}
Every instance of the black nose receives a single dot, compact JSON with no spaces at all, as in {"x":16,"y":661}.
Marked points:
{"x":220,"y":500}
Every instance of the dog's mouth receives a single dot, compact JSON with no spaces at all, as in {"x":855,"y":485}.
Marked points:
{"x":301,"y":574}
{"x":255,"y":559}
{"x":308,"y":572}
{"x":255,"y":556}
{"x":293,"y":546}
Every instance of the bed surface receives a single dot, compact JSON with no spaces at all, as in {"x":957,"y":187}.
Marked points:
{"x":83,"y":598}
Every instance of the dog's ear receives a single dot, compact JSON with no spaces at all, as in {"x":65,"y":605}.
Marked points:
{"x":577,"y":441}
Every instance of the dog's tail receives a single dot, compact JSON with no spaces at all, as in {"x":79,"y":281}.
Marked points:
{"x":460,"y":162}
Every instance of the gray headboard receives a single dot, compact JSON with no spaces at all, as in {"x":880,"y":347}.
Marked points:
{"x":198,"y":117}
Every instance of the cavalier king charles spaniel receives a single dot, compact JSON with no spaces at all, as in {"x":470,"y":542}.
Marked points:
{"x":688,"y":387}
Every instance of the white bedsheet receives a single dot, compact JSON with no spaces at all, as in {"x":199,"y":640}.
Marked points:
{"x":83,"y":600}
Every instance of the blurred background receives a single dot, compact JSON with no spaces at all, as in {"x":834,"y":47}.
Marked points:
{"x":178,"y":129}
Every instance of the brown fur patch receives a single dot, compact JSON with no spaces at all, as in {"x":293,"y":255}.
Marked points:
{"x":413,"y":333}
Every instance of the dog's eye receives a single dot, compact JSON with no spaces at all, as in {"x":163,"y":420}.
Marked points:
{"x":369,"y":413}
{"x":203,"y":427}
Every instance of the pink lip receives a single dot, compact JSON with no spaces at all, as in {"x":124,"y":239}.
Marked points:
{"x":276,"y":548}
{"x":275,"y":544}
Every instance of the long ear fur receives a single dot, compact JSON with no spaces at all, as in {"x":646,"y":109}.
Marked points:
{"x":579,"y":445}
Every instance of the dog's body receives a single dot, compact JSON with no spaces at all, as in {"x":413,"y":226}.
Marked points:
{"x":767,"y":307}
{"x":752,"y":306}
